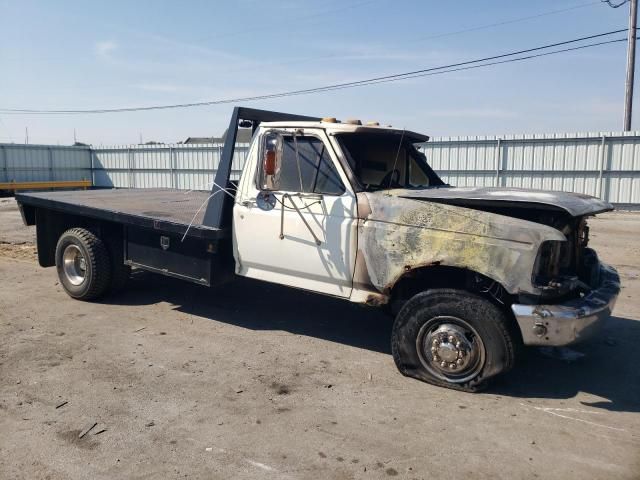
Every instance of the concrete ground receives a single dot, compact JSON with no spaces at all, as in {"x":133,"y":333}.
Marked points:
{"x":259,"y":381}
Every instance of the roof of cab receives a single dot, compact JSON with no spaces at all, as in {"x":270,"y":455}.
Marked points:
{"x":331,"y":127}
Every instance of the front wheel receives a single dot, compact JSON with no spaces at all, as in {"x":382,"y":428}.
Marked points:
{"x":83,"y":265}
{"x":452,"y":338}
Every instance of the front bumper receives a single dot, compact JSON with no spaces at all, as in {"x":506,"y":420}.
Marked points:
{"x":572,"y":321}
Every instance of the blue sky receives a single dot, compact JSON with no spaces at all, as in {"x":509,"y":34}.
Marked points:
{"x":78,"y":54}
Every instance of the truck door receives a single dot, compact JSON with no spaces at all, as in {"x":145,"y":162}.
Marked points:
{"x":295,"y":214}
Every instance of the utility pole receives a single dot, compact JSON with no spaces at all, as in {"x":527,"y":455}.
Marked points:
{"x":631,"y":64}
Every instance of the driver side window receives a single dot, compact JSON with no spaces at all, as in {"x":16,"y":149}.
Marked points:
{"x":304,"y":166}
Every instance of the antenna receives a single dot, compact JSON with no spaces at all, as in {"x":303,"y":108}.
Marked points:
{"x":395,"y":162}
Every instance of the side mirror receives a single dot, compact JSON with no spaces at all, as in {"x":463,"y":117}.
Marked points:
{"x":271,"y":155}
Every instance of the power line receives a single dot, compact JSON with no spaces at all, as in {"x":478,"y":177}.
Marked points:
{"x":614,"y":5}
{"x":466,"y":65}
{"x":418,"y":39}
{"x":494,"y":57}
{"x":294,"y":20}
{"x":340,"y":56}
{"x":511,"y":60}
{"x":513,"y":20}
{"x":439,"y":35}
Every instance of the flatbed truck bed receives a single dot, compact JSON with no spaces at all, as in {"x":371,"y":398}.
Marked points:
{"x":160,"y":230}
{"x":163,"y":209}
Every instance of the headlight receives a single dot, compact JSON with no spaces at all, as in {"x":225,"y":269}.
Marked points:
{"x":547,"y":264}
{"x":583,"y":233}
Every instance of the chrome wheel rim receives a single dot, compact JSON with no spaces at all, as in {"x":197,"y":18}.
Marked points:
{"x":451,"y":349}
{"x":74,"y":265}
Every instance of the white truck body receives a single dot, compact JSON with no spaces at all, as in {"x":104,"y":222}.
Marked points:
{"x":355,"y":212}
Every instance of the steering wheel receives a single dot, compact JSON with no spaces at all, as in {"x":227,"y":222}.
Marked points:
{"x":387,"y":180}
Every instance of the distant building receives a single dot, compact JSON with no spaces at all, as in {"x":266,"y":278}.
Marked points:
{"x":200,"y":140}
{"x":243,"y":136}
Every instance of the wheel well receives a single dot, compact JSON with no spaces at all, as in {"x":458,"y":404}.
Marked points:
{"x":50,"y":225}
{"x":442,"y":276}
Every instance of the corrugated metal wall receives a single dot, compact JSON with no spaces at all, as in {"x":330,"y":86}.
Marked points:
{"x":605,"y":165}
{"x":32,"y":163}
{"x":183,"y":166}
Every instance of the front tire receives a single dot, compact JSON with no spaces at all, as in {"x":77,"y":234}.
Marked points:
{"x":83,"y":264}
{"x":452,"y":338}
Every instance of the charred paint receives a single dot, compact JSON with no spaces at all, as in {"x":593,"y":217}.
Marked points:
{"x":400,"y":235}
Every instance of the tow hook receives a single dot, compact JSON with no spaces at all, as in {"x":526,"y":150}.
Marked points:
{"x":539,"y":329}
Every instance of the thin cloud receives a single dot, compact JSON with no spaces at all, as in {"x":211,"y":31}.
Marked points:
{"x":200,"y":50}
{"x":105,"y":48}
{"x":159,"y":87}
{"x":473,"y":113}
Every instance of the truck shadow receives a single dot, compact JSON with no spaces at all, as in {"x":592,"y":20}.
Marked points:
{"x":258,"y":305}
{"x":608,"y":369}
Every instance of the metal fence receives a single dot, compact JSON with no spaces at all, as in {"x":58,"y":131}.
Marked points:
{"x":38,"y":163}
{"x":605,"y":165}
{"x":183,"y":166}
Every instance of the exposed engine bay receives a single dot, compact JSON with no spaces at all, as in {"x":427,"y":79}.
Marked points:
{"x":563,"y":269}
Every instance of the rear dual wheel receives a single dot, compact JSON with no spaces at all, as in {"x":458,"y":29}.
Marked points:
{"x":452,"y":338}
{"x":86,"y":267}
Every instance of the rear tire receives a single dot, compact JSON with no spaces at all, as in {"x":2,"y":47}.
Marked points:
{"x":83,"y":265}
{"x":452,"y":338}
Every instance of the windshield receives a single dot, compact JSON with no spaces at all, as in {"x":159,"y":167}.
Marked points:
{"x":379,"y":161}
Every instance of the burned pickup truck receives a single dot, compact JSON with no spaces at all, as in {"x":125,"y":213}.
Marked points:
{"x":353,"y":211}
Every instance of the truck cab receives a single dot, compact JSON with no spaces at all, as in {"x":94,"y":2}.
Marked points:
{"x":354,"y":211}
{"x":299,"y":189}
